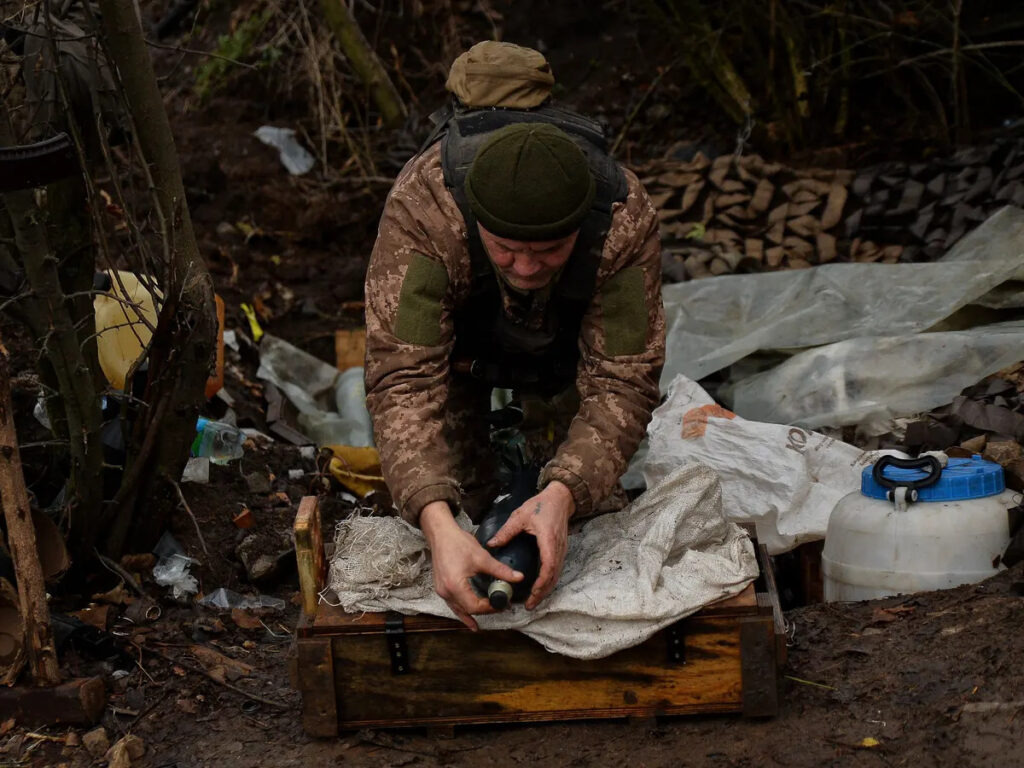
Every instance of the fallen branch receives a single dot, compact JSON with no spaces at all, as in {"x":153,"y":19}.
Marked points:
{"x":21,"y":536}
{"x":364,"y":61}
{"x":195,"y":522}
{"x":198,"y":669}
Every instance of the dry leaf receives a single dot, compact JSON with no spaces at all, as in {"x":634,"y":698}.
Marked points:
{"x":96,"y":615}
{"x":215,"y":660}
{"x":188,"y":706}
{"x":116,"y":596}
{"x":244,"y":619}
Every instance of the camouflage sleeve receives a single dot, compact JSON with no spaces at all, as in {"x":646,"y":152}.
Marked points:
{"x":622,"y":350}
{"x":409,"y":335}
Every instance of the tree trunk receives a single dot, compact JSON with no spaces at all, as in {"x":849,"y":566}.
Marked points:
{"x":364,"y":61}
{"x":183,"y":344}
{"x":66,"y":365}
{"x":42,"y":655}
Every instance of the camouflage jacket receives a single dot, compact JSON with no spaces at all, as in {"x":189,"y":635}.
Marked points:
{"x":419,"y":274}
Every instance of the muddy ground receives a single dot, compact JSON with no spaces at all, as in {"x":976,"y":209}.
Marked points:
{"x":932,"y":680}
{"x":935,"y":680}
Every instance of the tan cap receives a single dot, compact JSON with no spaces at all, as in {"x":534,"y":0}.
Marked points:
{"x":493,"y":74}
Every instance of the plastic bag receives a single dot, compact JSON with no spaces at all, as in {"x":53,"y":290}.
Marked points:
{"x":226,"y":599}
{"x":172,"y":571}
{"x":713,"y":323}
{"x":316,"y":389}
{"x":872,"y":379}
{"x":785,"y":480}
{"x":294,"y":157}
{"x":350,"y":398}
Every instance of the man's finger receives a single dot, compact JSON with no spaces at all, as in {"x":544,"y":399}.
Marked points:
{"x":464,"y":617}
{"x":499,"y":570}
{"x":548,"y":572}
{"x":512,"y":527}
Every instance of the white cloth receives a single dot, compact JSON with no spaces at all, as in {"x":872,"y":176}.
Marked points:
{"x":784,"y":479}
{"x":626,"y":576}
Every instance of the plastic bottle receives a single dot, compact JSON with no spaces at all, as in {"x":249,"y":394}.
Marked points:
{"x":356,"y":428}
{"x":217,"y":441}
{"x":520,"y":554}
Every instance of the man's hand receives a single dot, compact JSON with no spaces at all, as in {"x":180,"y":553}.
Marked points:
{"x":457,"y":557}
{"x":546,"y":516}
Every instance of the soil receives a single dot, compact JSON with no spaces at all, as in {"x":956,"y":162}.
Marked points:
{"x":933,"y":679}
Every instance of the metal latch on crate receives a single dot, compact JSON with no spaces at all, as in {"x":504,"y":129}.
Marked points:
{"x":394,"y":633}
{"x":675,"y":636}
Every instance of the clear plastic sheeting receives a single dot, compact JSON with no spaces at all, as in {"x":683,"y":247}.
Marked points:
{"x":872,"y":379}
{"x":713,"y":323}
{"x":785,"y":480}
{"x":316,"y":389}
{"x":226,"y":599}
{"x":173,"y":571}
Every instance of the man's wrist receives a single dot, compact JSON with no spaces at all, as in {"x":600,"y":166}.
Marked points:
{"x":561,"y":491}
{"x":435,"y":517}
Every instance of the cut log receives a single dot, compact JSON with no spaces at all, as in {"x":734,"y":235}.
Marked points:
{"x":719,"y":267}
{"x":780,"y":213}
{"x":797,"y":246}
{"x":762,"y":197}
{"x":804,"y":226}
{"x":826,"y":246}
{"x":754,"y":249}
{"x":805,"y":196}
{"x":719,"y":170}
{"x":677,"y":179}
{"x":728,"y":200}
{"x":690,"y":195}
{"x":777,"y":232}
{"x":77,"y":702}
{"x":773,"y":256}
{"x":660,"y":199}
{"x":937,"y":186}
{"x":833,"y":207}
{"x":695,"y":268}
{"x":796,"y":210}
{"x":739,"y":213}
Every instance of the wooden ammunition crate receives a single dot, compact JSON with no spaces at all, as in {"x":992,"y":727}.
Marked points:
{"x":386,"y":670}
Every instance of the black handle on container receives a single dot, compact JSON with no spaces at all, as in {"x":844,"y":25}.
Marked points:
{"x":929,"y":463}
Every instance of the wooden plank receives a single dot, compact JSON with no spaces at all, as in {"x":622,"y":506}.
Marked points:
{"x":309,"y":553}
{"x":332,"y":621}
{"x":350,"y":348}
{"x":760,"y":683}
{"x":316,"y":674}
{"x":462,"y":677}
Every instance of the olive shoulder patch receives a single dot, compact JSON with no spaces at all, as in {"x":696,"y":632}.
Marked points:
{"x":624,"y":313}
{"x":419,"y":304}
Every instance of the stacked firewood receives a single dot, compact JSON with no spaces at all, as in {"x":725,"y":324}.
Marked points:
{"x":744,"y":214}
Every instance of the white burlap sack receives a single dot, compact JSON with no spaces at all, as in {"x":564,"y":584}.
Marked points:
{"x":626,"y":575}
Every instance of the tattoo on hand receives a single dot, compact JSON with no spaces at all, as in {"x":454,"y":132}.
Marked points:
{"x":536,"y":510}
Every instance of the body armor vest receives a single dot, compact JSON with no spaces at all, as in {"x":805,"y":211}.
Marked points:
{"x":489,"y":346}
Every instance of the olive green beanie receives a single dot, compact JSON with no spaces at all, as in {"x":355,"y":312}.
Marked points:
{"x":530,"y":181}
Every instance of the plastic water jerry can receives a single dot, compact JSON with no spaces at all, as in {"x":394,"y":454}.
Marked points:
{"x":916,"y":525}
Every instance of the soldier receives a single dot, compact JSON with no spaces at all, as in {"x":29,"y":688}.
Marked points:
{"x":512,"y":253}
